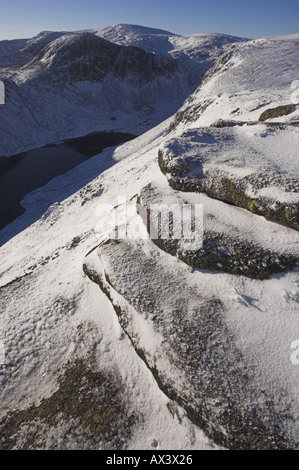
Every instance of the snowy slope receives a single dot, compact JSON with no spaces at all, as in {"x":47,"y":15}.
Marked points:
{"x":245,"y":81}
{"x":202,"y":357}
{"x":98,"y":334}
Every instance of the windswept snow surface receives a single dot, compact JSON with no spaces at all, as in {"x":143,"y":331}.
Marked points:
{"x":245,"y":81}
{"x":53,"y":312}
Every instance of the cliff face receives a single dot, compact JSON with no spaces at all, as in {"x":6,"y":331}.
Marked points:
{"x":85,"y":56}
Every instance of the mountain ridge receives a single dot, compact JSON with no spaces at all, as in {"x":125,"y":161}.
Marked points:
{"x":201,"y":343}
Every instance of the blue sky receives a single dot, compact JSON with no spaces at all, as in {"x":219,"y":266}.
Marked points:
{"x":250,"y":18}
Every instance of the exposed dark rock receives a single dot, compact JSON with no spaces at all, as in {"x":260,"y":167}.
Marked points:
{"x":85,"y":56}
{"x":86,"y":400}
{"x":279,"y":111}
{"x":228,"y":252}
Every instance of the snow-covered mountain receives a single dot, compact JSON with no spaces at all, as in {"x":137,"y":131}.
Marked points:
{"x":77,"y":83}
{"x":68,"y":84}
{"x":196,"y":52}
{"x":138,"y":343}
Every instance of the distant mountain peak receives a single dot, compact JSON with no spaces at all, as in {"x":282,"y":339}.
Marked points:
{"x":132,"y":28}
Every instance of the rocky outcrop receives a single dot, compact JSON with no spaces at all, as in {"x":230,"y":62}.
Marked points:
{"x":208,"y":161}
{"x":279,"y":111}
{"x":224,"y":245}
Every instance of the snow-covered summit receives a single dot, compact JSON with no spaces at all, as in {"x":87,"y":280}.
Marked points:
{"x":195,"y":51}
{"x":127,"y":30}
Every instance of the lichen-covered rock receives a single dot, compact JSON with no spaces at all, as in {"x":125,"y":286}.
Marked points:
{"x":279,"y":111}
{"x":88,"y":408}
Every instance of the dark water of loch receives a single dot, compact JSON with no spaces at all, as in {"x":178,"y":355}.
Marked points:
{"x":30,"y":170}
